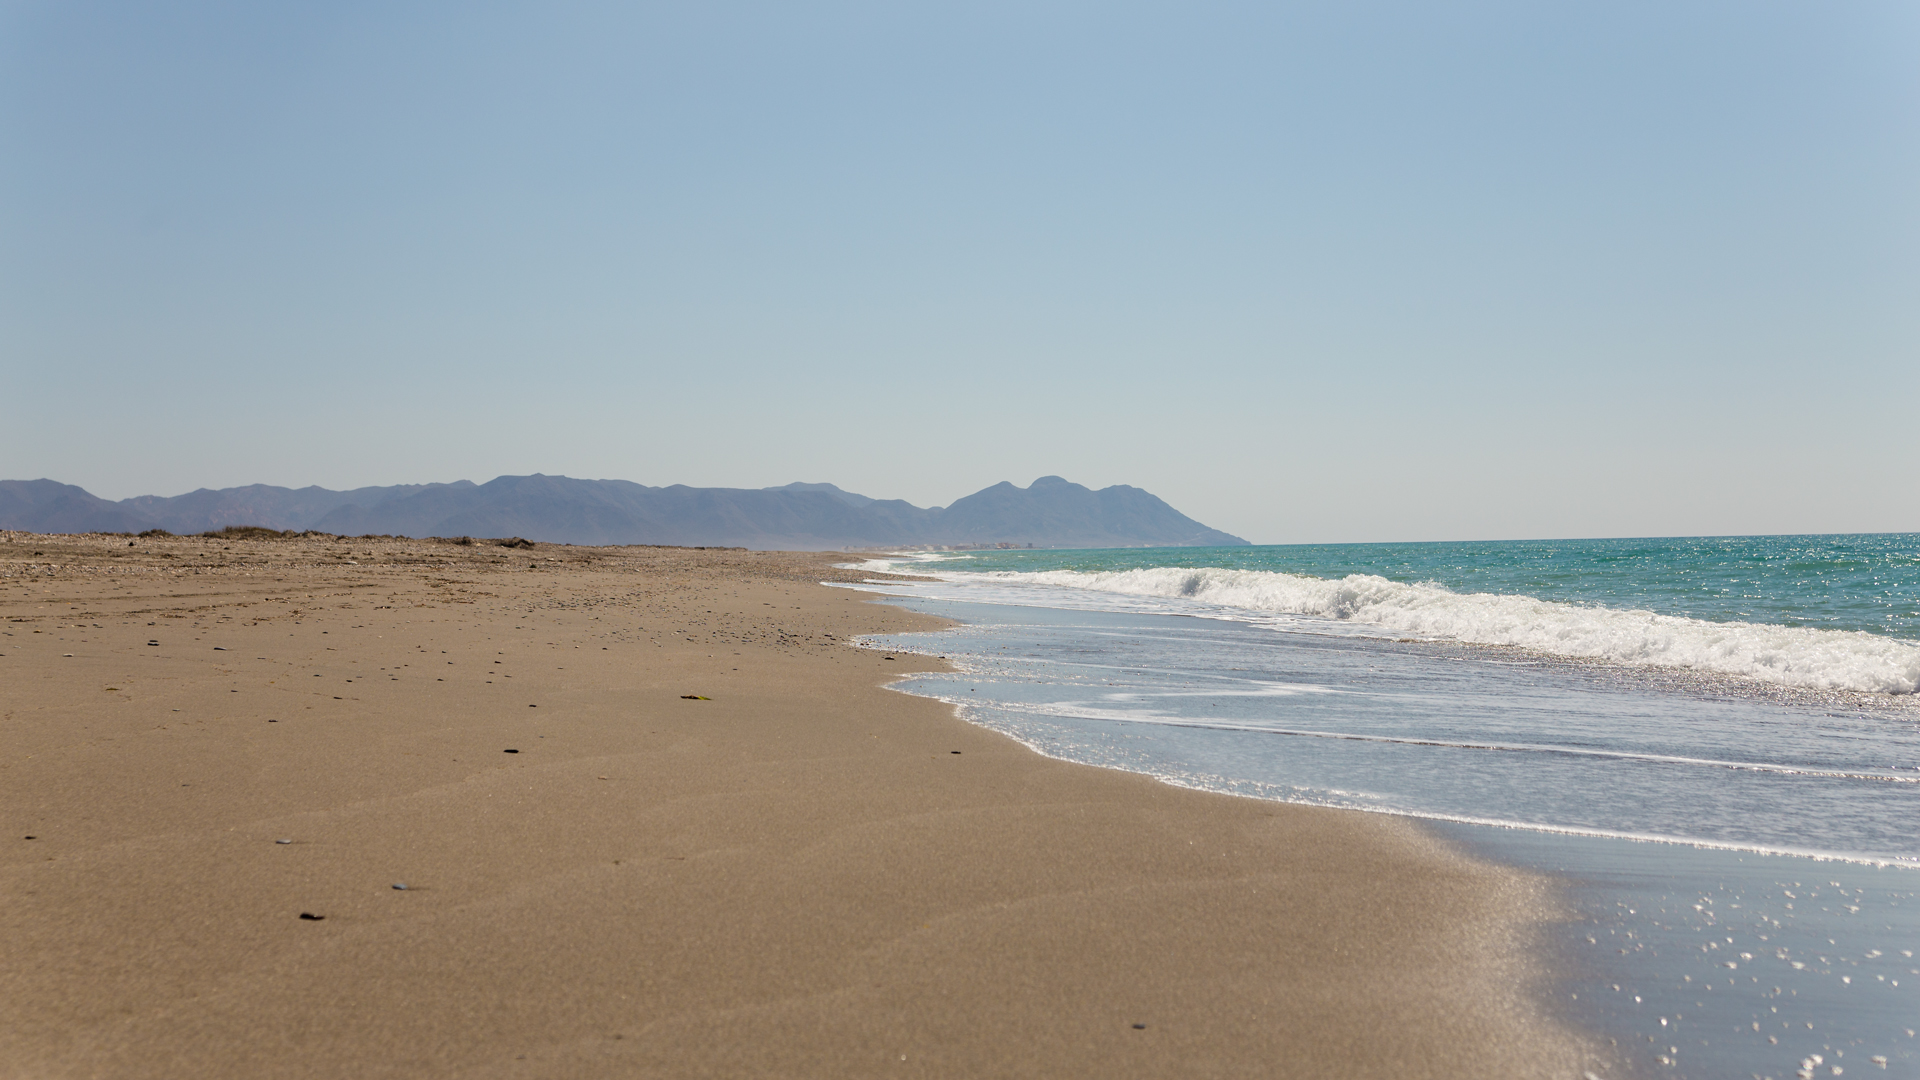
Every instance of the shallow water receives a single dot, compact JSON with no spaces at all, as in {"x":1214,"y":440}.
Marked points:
{"x":1755,"y":797}
{"x":1723,"y":964}
{"x":1434,"y":730}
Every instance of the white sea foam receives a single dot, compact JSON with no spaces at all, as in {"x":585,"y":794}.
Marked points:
{"x":1796,"y":656}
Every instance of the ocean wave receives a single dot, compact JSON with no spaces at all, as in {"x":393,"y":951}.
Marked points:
{"x":1789,"y":655}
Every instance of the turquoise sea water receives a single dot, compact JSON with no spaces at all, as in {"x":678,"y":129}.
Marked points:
{"x":1848,"y":582}
{"x":1816,"y":612}
{"x":1715,"y":742}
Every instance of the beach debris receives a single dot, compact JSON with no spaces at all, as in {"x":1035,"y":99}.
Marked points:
{"x":219,"y":648}
{"x":311,"y":917}
{"x":1139,"y":1027}
{"x":509,"y":751}
{"x":400,"y":885}
{"x":36,"y":837}
{"x":694,"y":697}
{"x":283,"y":841}
{"x":153,"y":642}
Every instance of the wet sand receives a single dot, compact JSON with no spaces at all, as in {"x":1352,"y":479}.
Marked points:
{"x":804,"y":874}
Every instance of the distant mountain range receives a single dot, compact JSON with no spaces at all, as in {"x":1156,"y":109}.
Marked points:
{"x":558,"y":509}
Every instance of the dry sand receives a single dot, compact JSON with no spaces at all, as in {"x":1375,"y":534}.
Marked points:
{"x":807,"y":875}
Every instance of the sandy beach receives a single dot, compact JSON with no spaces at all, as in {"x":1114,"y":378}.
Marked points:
{"x":654,"y":816}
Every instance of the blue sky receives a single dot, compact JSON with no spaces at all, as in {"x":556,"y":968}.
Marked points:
{"x":1310,"y":272}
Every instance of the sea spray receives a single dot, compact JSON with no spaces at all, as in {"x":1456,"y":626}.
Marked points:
{"x":1790,"y":655}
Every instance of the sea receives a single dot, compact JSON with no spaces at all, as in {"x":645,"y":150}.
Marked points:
{"x":1712,"y":743}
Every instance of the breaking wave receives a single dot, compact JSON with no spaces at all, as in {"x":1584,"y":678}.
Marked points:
{"x":1796,"y":656}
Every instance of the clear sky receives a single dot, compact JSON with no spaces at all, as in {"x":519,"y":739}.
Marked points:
{"x":1333,"y":271}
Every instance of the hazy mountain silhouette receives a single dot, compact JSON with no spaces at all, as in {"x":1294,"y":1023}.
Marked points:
{"x":46,"y":506}
{"x":560,"y":509}
{"x":1057,"y":513}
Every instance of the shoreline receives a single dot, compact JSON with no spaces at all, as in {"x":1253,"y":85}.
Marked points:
{"x":798,"y":872}
{"x":1716,"y":958}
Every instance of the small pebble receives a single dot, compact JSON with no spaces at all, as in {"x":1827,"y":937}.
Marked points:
{"x":401,"y":885}
{"x":311,"y":917}
{"x":283,"y":841}
{"x":509,"y":751}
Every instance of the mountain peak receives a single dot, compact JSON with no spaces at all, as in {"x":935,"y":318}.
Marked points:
{"x":831,"y":490}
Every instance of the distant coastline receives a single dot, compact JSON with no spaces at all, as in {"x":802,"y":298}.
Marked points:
{"x":1050,"y":513}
